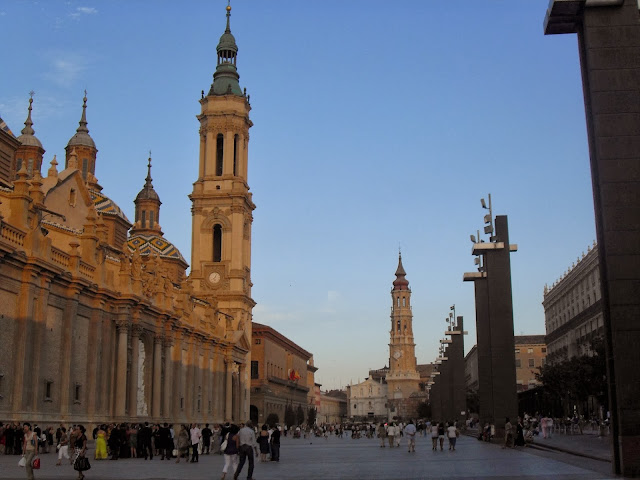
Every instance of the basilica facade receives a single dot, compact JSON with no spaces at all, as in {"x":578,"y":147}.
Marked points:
{"x":99,"y":320}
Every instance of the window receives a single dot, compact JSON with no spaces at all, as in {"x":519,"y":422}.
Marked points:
{"x":85,"y":168}
{"x":544,"y":349}
{"x":47,"y":390}
{"x":151,"y":219}
{"x":235,"y":155}
{"x":18,"y":166}
{"x":76,"y":393}
{"x":517,"y":350}
{"x":144,"y":219}
{"x":404,"y":302}
{"x":219,"y":153}
{"x":30,"y":166}
{"x":532,"y":362}
{"x":518,"y":363}
{"x":258,"y":341}
{"x":217,"y":243}
{"x":254,"y":369}
{"x":529,"y":350}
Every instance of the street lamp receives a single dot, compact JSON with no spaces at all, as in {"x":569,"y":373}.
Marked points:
{"x":488,"y":218}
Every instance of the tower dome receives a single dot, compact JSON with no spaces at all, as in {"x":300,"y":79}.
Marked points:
{"x":225,"y":78}
{"x":82,"y":137}
{"x":400,"y":283}
{"x":28,"y":138}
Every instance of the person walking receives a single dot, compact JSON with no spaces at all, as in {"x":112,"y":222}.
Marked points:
{"x":230,"y":451}
{"x":391,"y":433}
{"x":263,"y":441}
{"x":196,"y":435}
{"x":145,"y":441}
{"x":382,"y":434}
{"x":183,"y":443}
{"x":206,"y":439}
{"x":80,"y":447}
{"x":30,"y":449}
{"x":452,"y":435}
{"x":434,"y":436}
{"x":246,"y":447}
{"x":410,"y":432}
{"x":508,"y":434}
{"x":164,"y":442}
{"x":441,"y":435}
{"x":63,"y":446}
{"x":275,"y":444}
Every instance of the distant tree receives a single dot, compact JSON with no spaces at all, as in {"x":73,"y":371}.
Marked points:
{"x":273,"y":419}
{"x":424,"y":410}
{"x":573,"y":381}
{"x":289,"y":416}
{"x":300,"y":415}
{"x":473,"y":401}
{"x":312,"y":414}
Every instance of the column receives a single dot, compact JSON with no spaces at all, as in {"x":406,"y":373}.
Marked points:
{"x":176,"y":386}
{"x":70,"y":314}
{"x":121,"y":368}
{"x":168,"y":376}
{"x":40,"y":327}
{"x":228,"y":404}
{"x":156,"y":388}
{"x":136,"y":330}
{"x":242,"y":393}
{"x":94,"y":361}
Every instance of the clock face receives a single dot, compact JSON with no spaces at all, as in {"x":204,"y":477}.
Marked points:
{"x":397,"y":354}
{"x":214,"y":277}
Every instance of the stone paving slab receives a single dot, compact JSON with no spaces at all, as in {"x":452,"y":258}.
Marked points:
{"x":335,"y":459}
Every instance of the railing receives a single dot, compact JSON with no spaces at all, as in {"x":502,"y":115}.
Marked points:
{"x":86,"y":270}
{"x":12,"y":234}
{"x":60,"y":257}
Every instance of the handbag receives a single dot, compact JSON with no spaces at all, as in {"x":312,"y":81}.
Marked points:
{"x":22,"y":462}
{"x":223,"y":447}
{"x":36,"y":463}
{"x":81,"y":464}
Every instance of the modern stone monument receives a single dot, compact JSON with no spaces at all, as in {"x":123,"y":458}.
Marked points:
{"x":609,"y":47}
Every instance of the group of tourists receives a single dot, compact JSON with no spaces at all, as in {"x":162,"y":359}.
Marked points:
{"x":30,"y":442}
{"x":392,"y":432}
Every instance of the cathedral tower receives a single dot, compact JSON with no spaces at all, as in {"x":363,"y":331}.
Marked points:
{"x":222,"y":209}
{"x":30,"y":151}
{"x":81,"y":150}
{"x":403,"y":378}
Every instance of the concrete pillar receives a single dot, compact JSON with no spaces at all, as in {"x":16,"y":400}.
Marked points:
{"x":609,"y":49}
{"x":121,"y":367}
{"x":156,"y":388}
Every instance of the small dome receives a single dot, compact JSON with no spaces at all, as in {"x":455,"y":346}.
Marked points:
{"x":28,"y":137}
{"x":147,"y":192}
{"x":227,"y":42}
{"x":148,"y":243}
{"x":82,"y":137}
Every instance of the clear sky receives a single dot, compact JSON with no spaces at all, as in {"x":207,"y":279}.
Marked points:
{"x":377,"y":124}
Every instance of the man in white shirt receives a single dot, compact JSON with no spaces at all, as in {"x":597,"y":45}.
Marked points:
{"x":410,"y":432}
{"x":195,"y":441}
{"x":246,"y":446}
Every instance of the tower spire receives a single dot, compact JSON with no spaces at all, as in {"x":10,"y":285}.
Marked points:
{"x":28,"y":123}
{"x":225,"y":78}
{"x":400,"y":283}
{"x":83,"y":120}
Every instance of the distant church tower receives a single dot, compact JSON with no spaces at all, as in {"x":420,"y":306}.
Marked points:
{"x":403,"y":378}
{"x":222,"y":209}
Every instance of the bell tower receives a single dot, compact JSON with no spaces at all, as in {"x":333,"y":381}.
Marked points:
{"x":222,"y":205}
{"x":403,"y":378}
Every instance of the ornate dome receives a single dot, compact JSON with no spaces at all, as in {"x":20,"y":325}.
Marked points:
{"x":107,"y":206}
{"x":148,"y":243}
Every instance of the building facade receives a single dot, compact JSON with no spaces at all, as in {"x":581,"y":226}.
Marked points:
{"x":333,"y":407}
{"x":531,"y":352}
{"x":573,"y":309}
{"x":278,"y":375}
{"x":100,"y":319}
{"x":367,"y":401}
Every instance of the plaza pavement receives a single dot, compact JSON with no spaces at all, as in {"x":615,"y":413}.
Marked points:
{"x":346,"y":459}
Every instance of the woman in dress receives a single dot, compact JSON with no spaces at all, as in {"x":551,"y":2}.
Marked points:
{"x":231,"y":451}
{"x":263,"y":441}
{"x":101,"y":443}
{"x":80,"y":446}
{"x":30,"y":449}
{"x":63,"y":446}
{"x":519,"y":433}
{"x":133,"y":440}
{"x":215,"y":439}
{"x":183,"y":443}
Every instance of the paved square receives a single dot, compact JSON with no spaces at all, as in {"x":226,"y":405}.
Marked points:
{"x":341,"y":459}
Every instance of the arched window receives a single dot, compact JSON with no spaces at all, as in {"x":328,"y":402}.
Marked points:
{"x":151,"y":219}
{"x":217,"y":243}
{"x":144,"y":219}
{"x":85,"y":168}
{"x":404,"y":302}
{"x":398,"y":325}
{"x":219,"y":153}
{"x":235,"y":154}
{"x":398,"y":301}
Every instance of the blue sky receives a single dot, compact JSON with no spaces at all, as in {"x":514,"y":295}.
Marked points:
{"x":377,"y":124}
